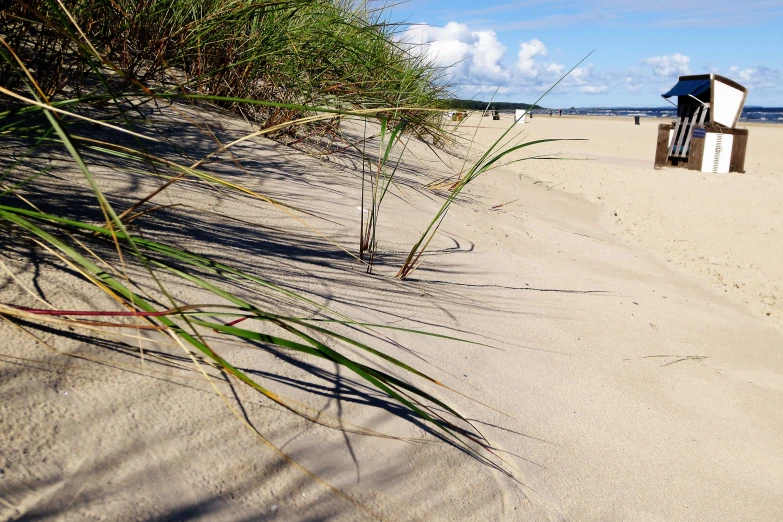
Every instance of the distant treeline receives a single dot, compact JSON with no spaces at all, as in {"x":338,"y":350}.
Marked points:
{"x":475,"y":105}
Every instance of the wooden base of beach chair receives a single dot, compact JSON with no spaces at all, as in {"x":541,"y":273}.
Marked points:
{"x":696,"y":149}
{"x":662,"y":147}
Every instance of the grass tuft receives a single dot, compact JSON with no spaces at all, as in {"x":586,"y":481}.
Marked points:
{"x":69,"y":70}
{"x":75,"y":82}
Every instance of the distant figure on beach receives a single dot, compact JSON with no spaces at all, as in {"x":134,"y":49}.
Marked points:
{"x":560,"y":112}
{"x":550,"y":113}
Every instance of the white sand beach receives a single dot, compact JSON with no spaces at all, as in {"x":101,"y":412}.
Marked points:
{"x":725,"y":228}
{"x":633,"y":316}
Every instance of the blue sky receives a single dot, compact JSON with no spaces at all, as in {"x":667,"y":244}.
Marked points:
{"x":640,"y":47}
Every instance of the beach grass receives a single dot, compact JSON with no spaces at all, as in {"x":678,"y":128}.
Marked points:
{"x":289,"y":68}
{"x":510,"y":141}
{"x":282,"y":65}
{"x":312,"y":53}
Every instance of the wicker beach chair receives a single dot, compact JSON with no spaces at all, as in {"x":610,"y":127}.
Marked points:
{"x":713,"y":104}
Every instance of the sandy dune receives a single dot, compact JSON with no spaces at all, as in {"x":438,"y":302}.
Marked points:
{"x":631,"y":385}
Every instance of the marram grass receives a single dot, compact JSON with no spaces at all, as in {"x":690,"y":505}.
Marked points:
{"x":283,"y":65}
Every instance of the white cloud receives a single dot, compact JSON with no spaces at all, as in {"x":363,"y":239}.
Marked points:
{"x":536,"y":75}
{"x":589,"y":81}
{"x":669,"y":65}
{"x":633,"y":82}
{"x":556,"y":69}
{"x":475,"y":60}
{"x":487,"y":52}
{"x":533,"y":74}
{"x":641,"y":79}
{"x":528,"y":51}
{"x":477,"y":64}
{"x":655,"y":74}
{"x":759,"y":77}
{"x":593,"y":89}
{"x":472,"y":56}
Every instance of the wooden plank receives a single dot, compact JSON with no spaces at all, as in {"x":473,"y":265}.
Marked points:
{"x":738,"y":150}
{"x":675,"y":132}
{"x":696,"y":154}
{"x":697,"y":119}
{"x":679,"y":145}
{"x":662,"y":147}
{"x":675,"y":137}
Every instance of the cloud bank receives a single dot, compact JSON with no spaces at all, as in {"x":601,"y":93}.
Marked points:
{"x":476,"y":63}
{"x":669,"y":65}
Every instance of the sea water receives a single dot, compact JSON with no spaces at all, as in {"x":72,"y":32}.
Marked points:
{"x":749,"y":114}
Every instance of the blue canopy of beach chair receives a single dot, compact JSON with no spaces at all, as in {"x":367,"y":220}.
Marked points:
{"x":686,"y":87}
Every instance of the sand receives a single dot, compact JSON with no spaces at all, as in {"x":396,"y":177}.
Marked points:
{"x":633,"y":383}
{"x":725,"y":229}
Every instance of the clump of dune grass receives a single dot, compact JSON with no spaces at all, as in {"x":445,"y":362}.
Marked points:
{"x":286,"y":66}
{"x":493,"y":157}
{"x":333,"y":53}
{"x":281,"y":64}
{"x":378,"y":182}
